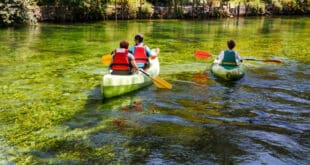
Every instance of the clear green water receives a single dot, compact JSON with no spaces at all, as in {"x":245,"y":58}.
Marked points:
{"x":51,"y":111}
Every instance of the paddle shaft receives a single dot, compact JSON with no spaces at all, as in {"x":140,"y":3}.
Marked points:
{"x":267,"y":60}
{"x":204,"y":54}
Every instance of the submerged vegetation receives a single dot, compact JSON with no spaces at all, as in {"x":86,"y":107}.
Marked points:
{"x":51,"y":110}
{"x":29,"y":11}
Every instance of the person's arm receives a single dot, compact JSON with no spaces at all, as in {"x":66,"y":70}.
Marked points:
{"x":237,"y":56}
{"x":150,"y":53}
{"x":131,"y":50}
{"x":220,"y":57}
{"x":156,"y":52}
{"x":133,"y":62}
{"x":134,"y":65}
{"x":110,"y":66}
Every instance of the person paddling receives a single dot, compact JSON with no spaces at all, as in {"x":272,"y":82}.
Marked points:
{"x":142,"y":53}
{"x":229,"y":56}
{"x":123,"y":62}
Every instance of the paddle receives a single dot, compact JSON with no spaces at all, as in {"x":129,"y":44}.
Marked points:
{"x":106,"y":59}
{"x":204,"y":54}
{"x":267,"y":60}
{"x":159,"y":82}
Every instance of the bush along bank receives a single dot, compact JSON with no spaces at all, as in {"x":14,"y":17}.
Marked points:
{"x":14,"y":12}
{"x":18,"y":12}
{"x":126,"y":11}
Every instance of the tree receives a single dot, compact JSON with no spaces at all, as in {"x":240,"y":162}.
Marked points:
{"x":77,"y":10}
{"x":17,"y":12}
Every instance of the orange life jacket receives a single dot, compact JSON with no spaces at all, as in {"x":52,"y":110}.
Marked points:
{"x":120,"y":60}
{"x":140,"y":55}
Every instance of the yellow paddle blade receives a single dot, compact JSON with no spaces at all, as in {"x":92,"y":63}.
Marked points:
{"x":160,"y":83}
{"x":106,"y":59}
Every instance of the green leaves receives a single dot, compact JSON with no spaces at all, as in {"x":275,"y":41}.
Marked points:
{"x":16,"y":12}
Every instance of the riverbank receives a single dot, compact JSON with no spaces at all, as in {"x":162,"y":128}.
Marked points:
{"x":19,"y":12}
{"x":63,"y":14}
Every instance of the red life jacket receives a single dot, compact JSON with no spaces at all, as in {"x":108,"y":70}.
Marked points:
{"x":120,"y":60}
{"x":140,"y":55}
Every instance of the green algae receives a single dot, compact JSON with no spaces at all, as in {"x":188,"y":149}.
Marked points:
{"x":48,"y":74}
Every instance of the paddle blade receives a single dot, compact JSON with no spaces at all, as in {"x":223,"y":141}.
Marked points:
{"x":106,"y":59}
{"x":202,"y":54}
{"x":276,"y":61}
{"x":161,"y":83}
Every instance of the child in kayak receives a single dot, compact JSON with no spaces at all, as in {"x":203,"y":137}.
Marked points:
{"x":141,"y":52}
{"x":123,"y":62}
{"x":229,"y":56}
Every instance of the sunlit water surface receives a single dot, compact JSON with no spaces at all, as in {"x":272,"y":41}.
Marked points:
{"x":51,"y":109}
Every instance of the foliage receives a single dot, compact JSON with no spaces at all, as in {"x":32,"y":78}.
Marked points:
{"x":77,"y":10}
{"x":128,"y":9}
{"x":14,"y":12}
{"x":25,"y":11}
{"x":256,"y":7}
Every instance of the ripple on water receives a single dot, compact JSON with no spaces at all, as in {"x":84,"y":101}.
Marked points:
{"x":273,"y":147}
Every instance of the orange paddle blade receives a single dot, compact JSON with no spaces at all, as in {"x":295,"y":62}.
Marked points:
{"x":106,"y":59}
{"x":202,"y":54}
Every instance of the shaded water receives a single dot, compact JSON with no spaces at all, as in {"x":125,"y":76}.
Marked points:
{"x":51,"y":110}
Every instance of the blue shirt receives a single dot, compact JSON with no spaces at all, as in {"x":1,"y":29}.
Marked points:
{"x":147,"y":49}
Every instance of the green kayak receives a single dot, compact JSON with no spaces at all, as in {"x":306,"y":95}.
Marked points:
{"x":228,"y":72}
{"x":116,"y":85}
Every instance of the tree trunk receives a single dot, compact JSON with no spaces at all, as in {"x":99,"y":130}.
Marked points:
{"x":115,"y":10}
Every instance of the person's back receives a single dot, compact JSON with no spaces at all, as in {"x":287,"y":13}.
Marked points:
{"x":142,"y":52}
{"x":122,"y":62}
{"x":229,"y":57}
{"x":141,"y":56}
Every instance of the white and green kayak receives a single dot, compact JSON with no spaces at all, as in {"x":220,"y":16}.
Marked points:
{"x":227,"y":72}
{"x":116,"y":85}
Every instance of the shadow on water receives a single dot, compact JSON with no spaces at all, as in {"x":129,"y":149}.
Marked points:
{"x":202,"y":120}
{"x":151,"y":126}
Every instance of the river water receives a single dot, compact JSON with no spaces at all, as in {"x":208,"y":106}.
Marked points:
{"x":52,"y":112}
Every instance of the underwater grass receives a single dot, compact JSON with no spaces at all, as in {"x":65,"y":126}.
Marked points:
{"x":48,"y":73}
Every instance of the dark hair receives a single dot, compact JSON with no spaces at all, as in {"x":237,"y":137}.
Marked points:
{"x":139,"y":38}
{"x":124,"y":44}
{"x":231,"y":44}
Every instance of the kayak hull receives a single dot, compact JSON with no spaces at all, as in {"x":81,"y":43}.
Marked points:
{"x":116,"y":85}
{"x":229,"y":73}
